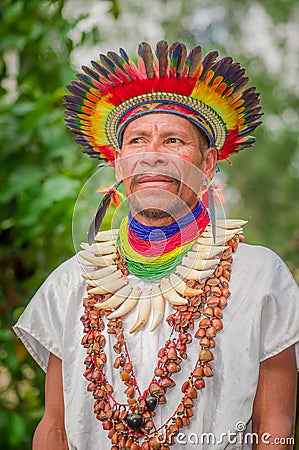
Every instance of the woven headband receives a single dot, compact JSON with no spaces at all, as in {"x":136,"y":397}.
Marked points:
{"x":115,"y":91}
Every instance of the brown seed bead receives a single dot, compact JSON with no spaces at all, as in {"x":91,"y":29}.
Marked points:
{"x":159,"y":371}
{"x":213,"y":301}
{"x":204,"y":323}
{"x":185,"y":421}
{"x":199,"y":383}
{"x":191,"y":392}
{"x":217,"y":323}
{"x":174,"y":429}
{"x":107,"y":424}
{"x":211,"y":332}
{"x":114,"y":438}
{"x":154,"y":443}
{"x":188,"y":402}
{"x":123,"y":414}
{"x":117,"y":348}
{"x":128,"y":367}
{"x":135,"y":446}
{"x":111,"y":432}
{"x":208,"y":372}
{"x":222,"y":302}
{"x":218,"y":271}
{"x":189,"y":412}
{"x":212,"y":343}
{"x":223,"y":281}
{"x":122,"y":443}
{"x":215,"y":290}
{"x":213,"y":281}
{"x":115,"y":414}
{"x":154,"y":388}
{"x":178,"y":421}
{"x":209,"y":311}
{"x":116,"y":364}
{"x":119,"y":426}
{"x":130,"y":391}
{"x":162,"y":399}
{"x":124,"y":375}
{"x":198,"y":372}
{"x":225,"y":292}
{"x":185,"y":386}
{"x":205,"y":355}
{"x":166,"y":382}
{"x":180,"y":408}
{"x":200,"y":333}
{"x":205,"y":342}
{"x":129,"y":442}
{"x":145,"y":446}
{"x":173,"y":367}
{"x":218,"y":312}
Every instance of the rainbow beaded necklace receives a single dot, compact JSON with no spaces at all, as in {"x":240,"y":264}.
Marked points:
{"x":153,"y":252}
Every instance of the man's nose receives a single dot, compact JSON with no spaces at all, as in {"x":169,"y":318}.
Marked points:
{"x":154,"y":156}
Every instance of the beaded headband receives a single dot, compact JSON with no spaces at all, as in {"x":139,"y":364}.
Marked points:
{"x":115,"y":91}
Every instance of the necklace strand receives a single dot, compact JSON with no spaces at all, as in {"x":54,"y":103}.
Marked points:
{"x":204,"y":309}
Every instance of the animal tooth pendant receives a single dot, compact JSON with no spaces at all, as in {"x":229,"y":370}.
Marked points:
{"x":117,"y":299}
{"x":230,"y":223}
{"x":108,"y":235}
{"x":158,"y":307}
{"x":144,"y":309}
{"x":100,"y":273}
{"x":127,"y":305}
{"x":170,"y":294}
{"x":181,"y":287}
{"x":192,"y":274}
{"x":98,"y":261}
{"x":103,"y":282}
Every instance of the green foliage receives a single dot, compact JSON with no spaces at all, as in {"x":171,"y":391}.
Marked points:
{"x":40,"y":181}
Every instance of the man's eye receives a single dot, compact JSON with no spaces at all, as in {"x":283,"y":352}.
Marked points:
{"x":136,"y":140}
{"x":173,"y":140}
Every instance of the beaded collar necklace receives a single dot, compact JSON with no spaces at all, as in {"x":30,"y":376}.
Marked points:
{"x":153,"y":252}
{"x":198,"y":292}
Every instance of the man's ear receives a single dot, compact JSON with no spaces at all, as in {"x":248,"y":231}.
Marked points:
{"x":118,"y":168}
{"x":209,"y":162}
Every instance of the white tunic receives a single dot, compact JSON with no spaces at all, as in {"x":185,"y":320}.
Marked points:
{"x":261,"y":320}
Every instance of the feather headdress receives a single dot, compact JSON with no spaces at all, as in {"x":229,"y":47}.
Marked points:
{"x":115,"y":90}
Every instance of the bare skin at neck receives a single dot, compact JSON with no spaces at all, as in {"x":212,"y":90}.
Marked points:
{"x":162,"y":164}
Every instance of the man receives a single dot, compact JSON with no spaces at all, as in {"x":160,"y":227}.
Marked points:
{"x":188,"y":338}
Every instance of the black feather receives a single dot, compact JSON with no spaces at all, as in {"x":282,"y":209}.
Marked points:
{"x":194,"y":60}
{"x":162,"y":55}
{"x":207,"y":63}
{"x":145,"y":52}
{"x":99,"y":216}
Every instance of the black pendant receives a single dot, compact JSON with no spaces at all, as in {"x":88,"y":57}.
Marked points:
{"x":151,"y":402}
{"x":134,"y":421}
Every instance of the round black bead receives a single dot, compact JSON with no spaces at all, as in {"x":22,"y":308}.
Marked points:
{"x":151,"y":402}
{"x":134,"y":421}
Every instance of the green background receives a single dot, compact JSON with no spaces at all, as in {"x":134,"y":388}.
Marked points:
{"x":42,"y":43}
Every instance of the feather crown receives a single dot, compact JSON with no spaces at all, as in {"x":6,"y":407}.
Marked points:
{"x":210,"y":93}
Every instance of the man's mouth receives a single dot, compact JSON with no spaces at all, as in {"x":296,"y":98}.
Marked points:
{"x":154,"y":180}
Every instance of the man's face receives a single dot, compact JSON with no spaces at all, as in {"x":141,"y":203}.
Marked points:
{"x":162,"y":166}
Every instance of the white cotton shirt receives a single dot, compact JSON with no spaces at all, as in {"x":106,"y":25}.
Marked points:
{"x":261,"y":320}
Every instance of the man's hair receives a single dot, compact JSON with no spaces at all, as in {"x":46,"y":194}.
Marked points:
{"x":203,"y":140}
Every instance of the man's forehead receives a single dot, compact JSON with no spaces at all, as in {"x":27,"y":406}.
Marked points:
{"x":162,"y":122}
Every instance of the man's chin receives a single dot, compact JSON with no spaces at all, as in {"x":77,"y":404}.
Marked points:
{"x":154,"y":214}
